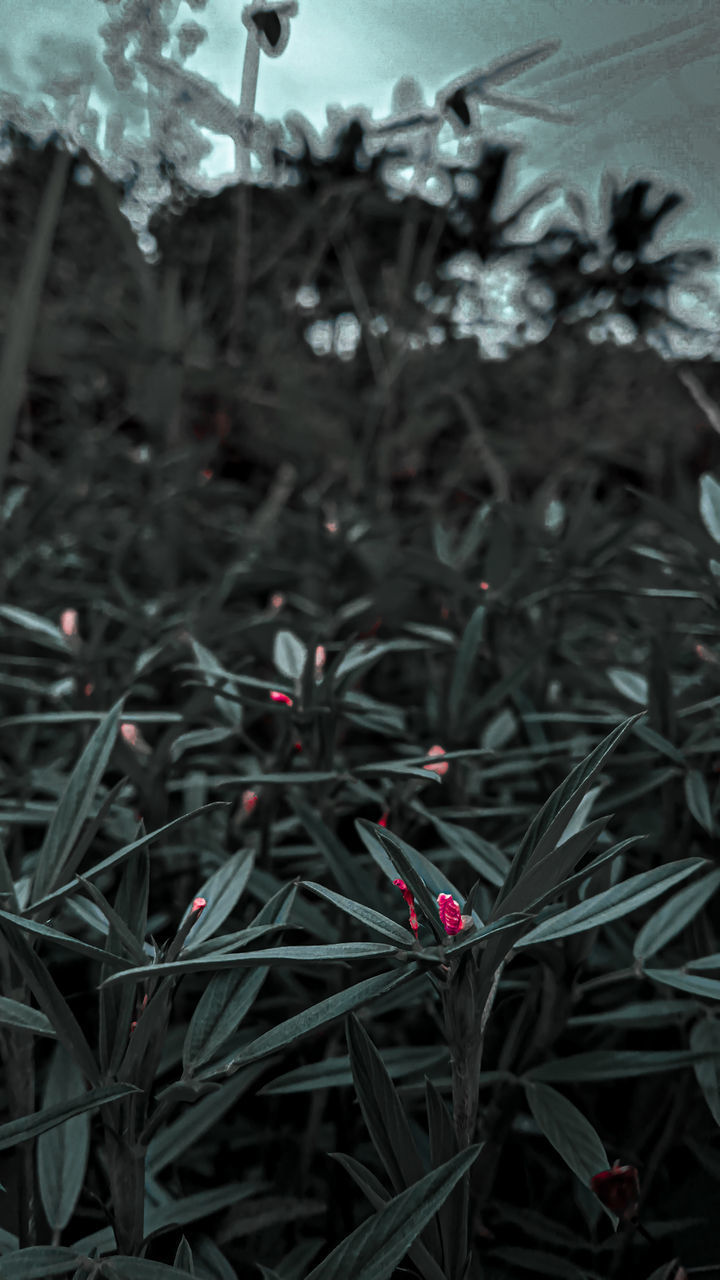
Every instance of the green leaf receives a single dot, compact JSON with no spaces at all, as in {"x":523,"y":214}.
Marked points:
{"x":342,"y":866}
{"x":198,"y":738}
{"x":15,"y":1014}
{"x":51,"y":1002}
{"x":60,"y":939}
{"x":230,"y":711}
{"x":614,"y":903}
{"x":710,"y":505}
{"x":196,"y":1120}
{"x":228,"y":996}
{"x":382,"y":1110}
{"x":123,"y":936}
{"x":222,"y":892}
{"x":115,"y":859}
{"x":318,"y":1015}
{"x":694,"y":983}
{"x":453,"y":1216}
{"x":43,"y":632}
{"x":374,"y":1249}
{"x":548,"y":825}
{"x":630,"y":684}
{"x":285,"y":957}
{"x":289,"y":655}
{"x":331,"y":1073}
{"x":62,"y":1151}
{"x":40,"y":1121}
{"x":462,"y":669}
{"x":705,"y":1038}
{"x":372,"y":919}
{"x":183,"y":1259}
{"x":379,"y":1197}
{"x":611,"y":1064}
{"x":124,"y":1268}
{"x":568,"y":1131}
{"x":75,"y":804}
{"x":698,"y":800}
{"x":543,"y":878}
{"x":674,"y":916}
{"x":39,"y":1261}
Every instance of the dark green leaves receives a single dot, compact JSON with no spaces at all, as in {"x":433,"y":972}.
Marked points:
{"x":40,"y":1121}
{"x":62,"y":1151}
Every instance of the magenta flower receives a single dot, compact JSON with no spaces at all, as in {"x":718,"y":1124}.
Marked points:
{"x":281,"y":697}
{"x":452,"y":919}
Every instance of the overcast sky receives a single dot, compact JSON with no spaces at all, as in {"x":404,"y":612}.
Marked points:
{"x":641,"y":78}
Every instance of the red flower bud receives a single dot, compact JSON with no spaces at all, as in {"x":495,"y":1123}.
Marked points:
{"x":450,"y":913}
{"x":281,"y":697}
{"x":618,"y":1189}
{"x":411,"y":904}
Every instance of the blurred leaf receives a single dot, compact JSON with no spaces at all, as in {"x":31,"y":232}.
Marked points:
{"x":567,"y":1130}
{"x":452,"y":1218}
{"x":710,"y":505}
{"x":698,"y":800}
{"x":464,"y":662}
{"x":631,"y":684}
{"x":331,"y":1073}
{"x":375,"y":1248}
{"x":43,"y":631}
{"x":230,"y":711}
{"x":62,"y":1151}
{"x":198,"y":738}
{"x":289,"y":655}
{"x":38,"y":1261}
{"x":611,"y":1064}
{"x":75,"y":804}
{"x":539,"y":1262}
{"x":341,"y":864}
{"x":318,"y":1015}
{"x":62,"y":939}
{"x":674,"y":916}
{"x":199,"y":1118}
{"x":705,"y":1038}
{"x":123,"y":1268}
{"x":40,"y":1121}
{"x":614,"y":903}
{"x":183,"y":1259}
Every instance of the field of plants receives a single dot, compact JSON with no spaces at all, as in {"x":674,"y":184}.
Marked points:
{"x":359,"y":755}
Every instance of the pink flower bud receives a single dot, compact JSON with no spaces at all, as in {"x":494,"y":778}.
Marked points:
{"x":411,"y":904}
{"x":320,"y":656}
{"x":331,"y":526}
{"x":129,"y":733}
{"x":297,"y":746}
{"x":88,"y":689}
{"x":383,"y":823}
{"x":281,"y":697}
{"x":199,"y":904}
{"x":437,"y":768}
{"x":484,"y":586}
{"x":277,"y":600}
{"x":450,"y":913}
{"x":69,"y":622}
{"x":249,"y":800}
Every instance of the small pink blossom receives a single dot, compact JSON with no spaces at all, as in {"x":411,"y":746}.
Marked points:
{"x":249,"y":800}
{"x":383,"y":823}
{"x":331,"y":526}
{"x":450,"y":914}
{"x":129,"y":733}
{"x":199,"y":904}
{"x":142,"y":1006}
{"x":281,"y":697}
{"x":320,"y":656}
{"x":440,"y":769}
{"x":277,"y":600}
{"x":88,"y":689}
{"x":484,"y":586}
{"x":297,"y":746}
{"x":407,"y":895}
{"x":69,"y":622}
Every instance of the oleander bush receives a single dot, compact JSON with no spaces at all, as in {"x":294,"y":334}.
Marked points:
{"x":358,"y":858}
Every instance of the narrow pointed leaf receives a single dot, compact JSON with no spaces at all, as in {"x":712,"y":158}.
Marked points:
{"x":39,"y":1261}
{"x":40,"y":1121}
{"x":283,"y":956}
{"x":62,"y":1151}
{"x":614,"y":903}
{"x":674,"y":916}
{"x":60,"y":939}
{"x":318,"y":1015}
{"x":705,"y":1038}
{"x":222,"y":892}
{"x":568,"y":1131}
{"x":374,"y":1249}
{"x":612,"y":1064}
{"x":75,"y":804}
{"x":372,"y":919}
{"x":694,"y":983}
{"x":15,"y":1014}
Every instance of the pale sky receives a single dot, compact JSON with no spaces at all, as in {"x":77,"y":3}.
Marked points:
{"x":640,"y":77}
